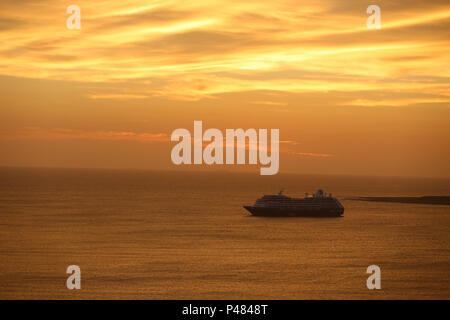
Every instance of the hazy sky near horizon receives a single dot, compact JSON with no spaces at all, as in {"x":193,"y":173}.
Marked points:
{"x":345,"y":98}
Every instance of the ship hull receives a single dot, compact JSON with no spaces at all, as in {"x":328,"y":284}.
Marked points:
{"x":299,"y":212}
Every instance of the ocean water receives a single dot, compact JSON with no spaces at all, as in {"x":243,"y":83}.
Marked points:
{"x":185,"y":235}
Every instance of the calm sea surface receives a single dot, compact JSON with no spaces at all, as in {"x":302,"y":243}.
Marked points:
{"x":181,"y":235}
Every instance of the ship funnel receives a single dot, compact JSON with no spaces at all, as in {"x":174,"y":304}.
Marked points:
{"x":319,"y":194}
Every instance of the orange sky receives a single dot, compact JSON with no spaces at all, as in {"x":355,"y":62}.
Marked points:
{"x":345,"y":98}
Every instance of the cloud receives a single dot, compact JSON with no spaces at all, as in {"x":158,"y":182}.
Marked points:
{"x":198,"y":49}
{"x":117,"y":96}
{"x":270,"y":103}
{"x":397,"y":102}
{"x":312,"y":154}
{"x":38,"y":133}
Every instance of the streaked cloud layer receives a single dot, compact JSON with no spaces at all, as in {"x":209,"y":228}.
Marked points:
{"x":193,"y":49}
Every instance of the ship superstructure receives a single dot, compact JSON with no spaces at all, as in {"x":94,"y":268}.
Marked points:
{"x":319,"y":204}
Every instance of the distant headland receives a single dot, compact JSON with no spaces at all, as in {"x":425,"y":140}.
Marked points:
{"x":437,"y":200}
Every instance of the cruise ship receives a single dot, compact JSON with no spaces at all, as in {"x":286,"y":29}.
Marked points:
{"x":319,"y":204}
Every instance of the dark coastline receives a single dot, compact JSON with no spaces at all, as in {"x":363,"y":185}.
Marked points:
{"x":436,"y":200}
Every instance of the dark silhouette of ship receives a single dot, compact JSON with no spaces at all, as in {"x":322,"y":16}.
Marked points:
{"x":319,"y":205}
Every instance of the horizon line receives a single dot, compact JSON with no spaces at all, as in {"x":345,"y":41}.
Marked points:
{"x":204,"y":169}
